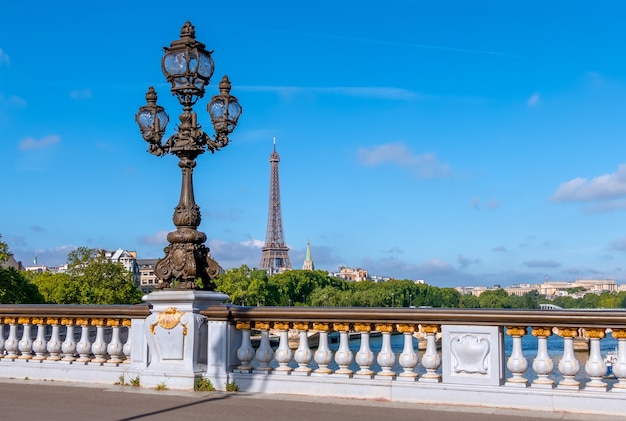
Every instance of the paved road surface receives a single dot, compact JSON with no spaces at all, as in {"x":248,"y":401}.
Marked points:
{"x":50,"y":401}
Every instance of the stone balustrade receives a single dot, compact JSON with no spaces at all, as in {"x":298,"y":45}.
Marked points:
{"x":495,"y":358}
{"x":52,"y":341}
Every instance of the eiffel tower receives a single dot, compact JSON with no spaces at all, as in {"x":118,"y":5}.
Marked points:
{"x":275,"y":257}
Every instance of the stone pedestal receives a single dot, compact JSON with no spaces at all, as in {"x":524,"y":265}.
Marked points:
{"x":177,"y":337}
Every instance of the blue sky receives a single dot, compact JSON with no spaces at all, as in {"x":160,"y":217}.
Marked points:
{"x":461,"y":143}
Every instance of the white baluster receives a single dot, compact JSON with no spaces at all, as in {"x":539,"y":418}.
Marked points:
{"x":245,"y":353}
{"x":83,"y":347}
{"x":26,"y":343}
{"x":343,"y":356}
{"x":431,"y":359}
{"x":54,"y":344}
{"x":114,"y":348}
{"x":323,"y":355}
{"x":126,"y":349}
{"x":619,"y":366}
{"x":68,"y":347}
{"x":408,"y":358}
{"x":1,"y":337}
{"x":569,"y":365}
{"x":264,"y":354}
{"x":517,"y":363}
{"x":11,"y":344}
{"x":303,"y":354}
{"x":364,"y":356}
{"x":386,"y":357}
{"x":542,"y":364}
{"x":595,"y":367}
{"x":283,"y":354}
{"x":40,"y":345}
{"x":99,"y":346}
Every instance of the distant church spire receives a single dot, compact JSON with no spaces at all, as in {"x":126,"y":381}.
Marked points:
{"x":308,"y":262}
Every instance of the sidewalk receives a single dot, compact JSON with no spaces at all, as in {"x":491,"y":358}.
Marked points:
{"x":50,"y":401}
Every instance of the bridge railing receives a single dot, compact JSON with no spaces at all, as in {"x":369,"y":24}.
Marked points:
{"x":469,"y":358}
{"x":71,"y":342}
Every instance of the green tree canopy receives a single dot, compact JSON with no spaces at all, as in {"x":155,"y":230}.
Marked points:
{"x":14,"y":286}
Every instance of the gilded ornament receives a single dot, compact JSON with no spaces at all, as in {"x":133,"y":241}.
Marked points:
{"x":430,"y":328}
{"x":127,"y":322}
{"x":322,"y":327}
{"x":281,"y":325}
{"x":516,"y":330}
{"x":301,"y":326}
{"x":243,"y":325}
{"x":262,"y":325}
{"x":567,"y":332}
{"x":113,"y":322}
{"x":542,"y":331}
{"x":384,"y":327}
{"x":82,"y":321}
{"x":405,"y":328}
{"x":169,"y":319}
{"x":97,"y":322}
{"x":52,"y":320}
{"x":341,"y":327}
{"x":23,"y":320}
{"x":595,"y":333}
{"x":38,"y":320}
{"x":619,"y":333}
{"x":10,"y":320}
{"x":68,"y":321}
{"x":363,"y":327}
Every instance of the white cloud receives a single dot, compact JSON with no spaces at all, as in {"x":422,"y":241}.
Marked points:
{"x":81,"y":94}
{"x":603,"y":187}
{"x":422,"y":166}
{"x":157,"y":239}
{"x":534,"y":99}
{"x":541,"y":264}
{"x":466,"y":261}
{"x":30,"y":143}
{"x":352,"y":91}
{"x":4,"y":58}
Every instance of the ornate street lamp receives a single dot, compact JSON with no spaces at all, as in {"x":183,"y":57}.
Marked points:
{"x":188,"y":66}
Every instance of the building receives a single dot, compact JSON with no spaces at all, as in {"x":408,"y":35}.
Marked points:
{"x":308,"y":261}
{"x":12,"y":263}
{"x":128,"y":259}
{"x":147,"y":279}
{"x":351,"y":274}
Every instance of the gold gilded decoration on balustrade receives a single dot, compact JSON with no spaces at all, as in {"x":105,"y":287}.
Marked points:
{"x":595,"y":333}
{"x":341,"y":327}
{"x":430,"y":328}
{"x":262,"y":325}
{"x":38,"y":320}
{"x":127,"y":322}
{"x":406,"y":328}
{"x":281,"y":325}
{"x":169,"y":319}
{"x":567,"y":332}
{"x":53,"y":320}
{"x":243,"y":325}
{"x":516,"y":330}
{"x":303,"y":326}
{"x":383,"y":327}
{"x":113,"y":322}
{"x":322,"y":327}
{"x":619,"y":333}
{"x":82,"y":321}
{"x":10,"y":320}
{"x":542,"y":331}
{"x":363,"y":327}
{"x":24,"y":320}
{"x":98,"y":321}
{"x":68,"y":321}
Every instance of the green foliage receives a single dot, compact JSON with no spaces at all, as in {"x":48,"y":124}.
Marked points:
{"x":15,"y":288}
{"x":4,"y":251}
{"x":203,"y":385}
{"x":161,"y":386}
{"x":135,"y":382}
{"x":244,"y":285}
{"x":232,"y":387}
{"x":91,"y":279}
{"x":470,"y":301}
{"x":497,"y":298}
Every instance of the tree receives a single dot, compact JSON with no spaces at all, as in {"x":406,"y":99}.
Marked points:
{"x":245,"y":286}
{"x":4,"y":251}
{"x":470,"y":301}
{"x":496,"y":298}
{"x":14,"y":286}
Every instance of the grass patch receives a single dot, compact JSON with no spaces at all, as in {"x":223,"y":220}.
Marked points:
{"x":203,"y":385}
{"x":232,"y":387}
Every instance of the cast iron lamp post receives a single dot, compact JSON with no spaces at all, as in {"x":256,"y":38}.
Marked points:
{"x":188,"y":66}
